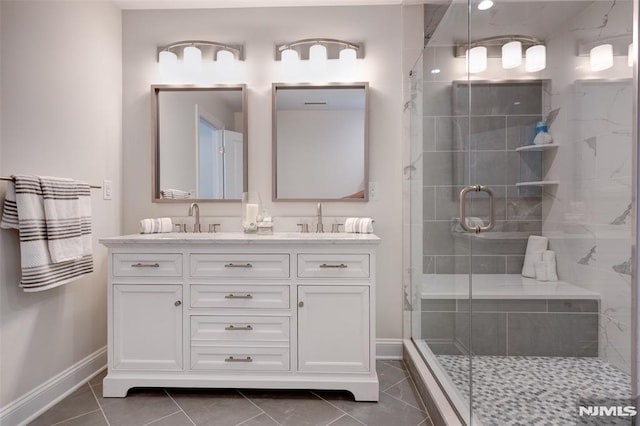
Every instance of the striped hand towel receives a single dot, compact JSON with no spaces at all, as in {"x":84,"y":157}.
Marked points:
{"x":174,"y":194}
{"x":360,"y":225}
{"x":24,"y":209}
{"x":155,"y":226}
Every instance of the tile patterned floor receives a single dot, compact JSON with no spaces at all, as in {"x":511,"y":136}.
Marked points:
{"x":399,"y":405}
{"x":537,"y":390}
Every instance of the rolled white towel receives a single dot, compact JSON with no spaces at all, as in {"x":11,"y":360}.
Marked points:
{"x":359,"y":225}
{"x":541,"y":271}
{"x":157,"y":225}
{"x":549,"y":260}
{"x":535,"y":246}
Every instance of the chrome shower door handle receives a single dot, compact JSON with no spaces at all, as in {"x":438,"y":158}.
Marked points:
{"x":463,"y":208}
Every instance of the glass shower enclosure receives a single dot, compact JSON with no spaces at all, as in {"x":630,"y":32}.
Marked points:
{"x":521,"y":201}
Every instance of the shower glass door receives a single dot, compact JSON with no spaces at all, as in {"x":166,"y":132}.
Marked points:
{"x":527,"y":105}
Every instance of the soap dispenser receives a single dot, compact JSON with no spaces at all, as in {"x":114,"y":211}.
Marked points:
{"x":542,"y":134}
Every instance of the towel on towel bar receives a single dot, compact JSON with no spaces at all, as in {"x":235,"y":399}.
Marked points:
{"x":174,"y":194}
{"x":154,"y":226}
{"x":24,"y":209}
{"x":360,"y":225}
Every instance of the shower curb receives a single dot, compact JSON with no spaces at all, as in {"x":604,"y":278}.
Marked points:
{"x":438,"y":406}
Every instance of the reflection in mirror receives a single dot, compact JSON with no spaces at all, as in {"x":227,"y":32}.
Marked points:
{"x":199,"y":143}
{"x":320,"y":142}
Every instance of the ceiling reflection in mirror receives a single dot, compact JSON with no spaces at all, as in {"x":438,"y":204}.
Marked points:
{"x":320,"y":146}
{"x":200,"y":141}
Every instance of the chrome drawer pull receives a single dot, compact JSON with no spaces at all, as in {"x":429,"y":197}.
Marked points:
{"x":145,"y":265}
{"x":238,"y":296}
{"x":326,"y":265}
{"x":232,"y":359}
{"x":233,"y":327}
{"x":238,"y":265}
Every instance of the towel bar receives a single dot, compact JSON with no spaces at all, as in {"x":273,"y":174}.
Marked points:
{"x":11,"y":179}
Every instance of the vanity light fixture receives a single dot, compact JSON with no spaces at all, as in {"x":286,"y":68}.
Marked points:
{"x":318,"y":50}
{"x":192,"y":53}
{"x":509,"y":48}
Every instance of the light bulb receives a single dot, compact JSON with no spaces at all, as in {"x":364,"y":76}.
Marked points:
{"x":536,"y":58}
{"x":317,"y":54}
{"x":511,"y":55}
{"x":601,"y":57}
{"x":192,"y":59}
{"x":485,"y":4}
{"x":225,"y":57}
{"x":167,"y":62}
{"x":477,"y":59}
{"x":289,"y":56}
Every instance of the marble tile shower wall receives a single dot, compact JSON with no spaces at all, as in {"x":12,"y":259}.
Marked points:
{"x":588,"y":216}
{"x":502,"y":117}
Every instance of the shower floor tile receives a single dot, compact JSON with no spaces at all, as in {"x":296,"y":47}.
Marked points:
{"x":537,"y":390}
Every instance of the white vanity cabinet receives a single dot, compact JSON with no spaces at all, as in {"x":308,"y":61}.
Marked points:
{"x":242,"y":311}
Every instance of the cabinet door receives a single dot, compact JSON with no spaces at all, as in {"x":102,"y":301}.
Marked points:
{"x":333,"y":328}
{"x":147,"y":327}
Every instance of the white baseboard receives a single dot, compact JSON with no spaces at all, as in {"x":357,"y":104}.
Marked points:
{"x":389,"y":348}
{"x":38,"y":400}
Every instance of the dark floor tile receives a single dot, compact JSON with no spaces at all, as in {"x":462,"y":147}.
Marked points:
{"x":387,"y":411}
{"x":389,"y":375}
{"x":95,"y":418}
{"x":346,"y":420}
{"x":97,"y":380}
{"x":261,"y":420}
{"x":406,"y":392}
{"x":79,"y":402}
{"x":294,"y":408}
{"x":214,"y":406}
{"x":398,"y":363}
{"x":177,"y":419}
{"x":141,"y":406}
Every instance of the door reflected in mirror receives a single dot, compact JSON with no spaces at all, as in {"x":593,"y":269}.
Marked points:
{"x":199,"y":143}
{"x":320,"y":142}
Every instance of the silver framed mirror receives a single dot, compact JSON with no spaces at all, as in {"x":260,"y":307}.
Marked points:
{"x":320,"y":142}
{"x":199,"y":137}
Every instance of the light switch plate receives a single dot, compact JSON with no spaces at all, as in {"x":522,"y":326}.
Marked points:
{"x":373,"y":191}
{"x":107,"y":190}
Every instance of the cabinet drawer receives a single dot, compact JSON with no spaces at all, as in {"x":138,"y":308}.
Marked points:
{"x":147,"y":265}
{"x":333,"y":265}
{"x":238,"y":330}
{"x":240,"y":265}
{"x":239,"y":358}
{"x":240,"y":296}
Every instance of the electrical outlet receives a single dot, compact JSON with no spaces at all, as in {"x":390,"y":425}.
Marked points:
{"x":107,"y":190}
{"x":373,"y":191}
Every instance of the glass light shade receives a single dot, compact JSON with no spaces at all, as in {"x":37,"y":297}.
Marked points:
{"x":289,"y":56}
{"x":536,"y":58}
{"x":601,"y":57}
{"x":167,"y":62}
{"x":224,"y":57}
{"x":477,"y":59}
{"x":485,"y":4}
{"x":192,"y":59}
{"x":317,"y":53}
{"x":511,"y":55}
{"x":348,"y":55}
{"x":630,"y":56}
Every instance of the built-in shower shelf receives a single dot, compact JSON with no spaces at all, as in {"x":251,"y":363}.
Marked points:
{"x":539,"y":183}
{"x":547,"y":147}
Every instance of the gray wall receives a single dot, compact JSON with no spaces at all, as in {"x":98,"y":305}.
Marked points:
{"x":502,"y":118}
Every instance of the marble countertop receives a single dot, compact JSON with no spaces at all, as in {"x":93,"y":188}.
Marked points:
{"x":241,"y":238}
{"x":500,"y":286}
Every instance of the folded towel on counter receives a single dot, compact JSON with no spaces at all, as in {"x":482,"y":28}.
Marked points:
{"x":549,"y":260}
{"x":535,"y":246}
{"x":67,"y":211}
{"x":155,"y":226}
{"x":24,"y":210}
{"x":174,"y":194}
{"x":540,"y":271}
{"x":359,"y":225}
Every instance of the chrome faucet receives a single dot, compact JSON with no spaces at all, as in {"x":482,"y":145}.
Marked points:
{"x":196,"y":225}
{"x":319,"y":227}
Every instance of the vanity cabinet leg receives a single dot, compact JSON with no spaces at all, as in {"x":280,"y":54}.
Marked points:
{"x":114,"y":388}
